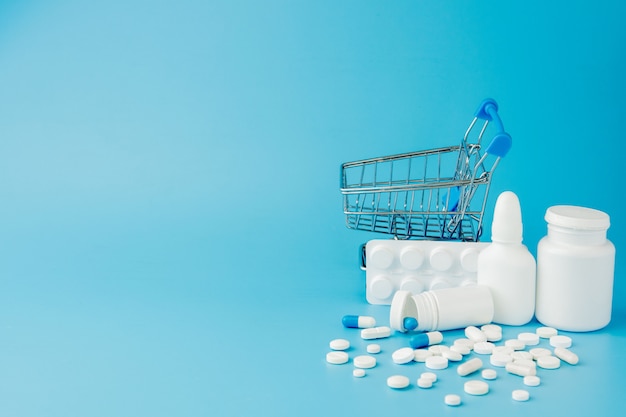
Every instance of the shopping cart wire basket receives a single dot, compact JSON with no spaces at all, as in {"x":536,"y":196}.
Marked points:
{"x":436,"y":194}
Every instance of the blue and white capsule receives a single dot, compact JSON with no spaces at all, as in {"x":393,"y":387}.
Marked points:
{"x":425,"y":339}
{"x":358,"y":322}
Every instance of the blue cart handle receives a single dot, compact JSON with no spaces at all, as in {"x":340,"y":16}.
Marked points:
{"x":501,"y":142}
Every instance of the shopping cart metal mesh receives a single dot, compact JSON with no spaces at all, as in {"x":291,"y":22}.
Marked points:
{"x":437,"y":194}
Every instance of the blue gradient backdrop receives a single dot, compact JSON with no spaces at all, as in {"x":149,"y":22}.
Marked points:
{"x":171,"y":234}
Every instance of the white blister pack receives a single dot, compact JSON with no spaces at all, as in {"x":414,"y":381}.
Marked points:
{"x":417,"y":265}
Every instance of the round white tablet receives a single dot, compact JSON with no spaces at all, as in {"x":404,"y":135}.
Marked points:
{"x":546,"y":332}
{"x":452,"y":400}
{"x":452,"y":356}
{"x":398,"y":381}
{"x":500,"y":359}
{"x":364,"y":361}
{"x":403,"y":355}
{"x":560,"y":341}
{"x":476,"y":387}
{"x":429,"y":375}
{"x":463,"y":350}
{"x":521,"y":354}
{"x":489,"y":374}
{"x":532,"y":380}
{"x":483,"y":348}
{"x":373,"y":348}
{"x":529,"y":339}
{"x":424,"y":383}
{"x":491,"y":328}
{"x":339,"y":344}
{"x":337,"y":357}
{"x":436,"y":362}
{"x":516,"y":344}
{"x":438,"y":350}
{"x":539,"y":352}
{"x":358,"y":373}
{"x":420,"y":355}
{"x":548,"y":362}
{"x":520,"y":395}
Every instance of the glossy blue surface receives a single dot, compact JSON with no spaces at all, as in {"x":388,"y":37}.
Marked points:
{"x":172,"y":241}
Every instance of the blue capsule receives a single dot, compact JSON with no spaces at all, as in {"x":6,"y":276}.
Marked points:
{"x":425,"y":339}
{"x":358,"y":322}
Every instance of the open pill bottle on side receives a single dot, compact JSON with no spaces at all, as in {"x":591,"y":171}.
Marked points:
{"x":575,"y":270}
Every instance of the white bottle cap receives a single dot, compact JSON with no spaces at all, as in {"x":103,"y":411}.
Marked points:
{"x":575,"y":217}
{"x":507,"y":219}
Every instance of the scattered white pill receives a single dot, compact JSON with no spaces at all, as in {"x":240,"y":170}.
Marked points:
{"x":358,"y":373}
{"x":469,"y":367}
{"x":507,"y":350}
{"x":500,"y":359}
{"x":546,"y":332}
{"x":521,"y":355}
{"x":520,"y":395}
{"x":493,"y":336}
{"x":452,"y":400}
{"x":364,"y":361}
{"x":403,"y":355}
{"x":483,"y":348}
{"x":549,"y":362}
{"x":464,"y":342}
{"x":529,"y":339}
{"x":539,"y":352}
{"x":420,"y":355}
{"x":476,"y":387}
{"x":474,"y":334}
{"x":561,"y":341}
{"x":429,"y":375}
{"x":491,"y":328}
{"x":438,"y":350}
{"x":337,"y":357}
{"x":526,"y":362}
{"x":489,"y":374}
{"x":452,"y":356}
{"x":398,"y":381}
{"x":376,"y":332}
{"x":373,"y":348}
{"x":520,"y":370}
{"x":424,"y":383}
{"x":516,"y":344}
{"x":566,"y":355}
{"x":436,"y":362}
{"x":463,"y":350}
{"x":339,"y":344}
{"x":532,"y":380}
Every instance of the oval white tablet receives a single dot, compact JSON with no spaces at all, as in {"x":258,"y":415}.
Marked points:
{"x":520,"y":395}
{"x":403,"y":355}
{"x":398,"y":381}
{"x":452,"y":400}
{"x":373,"y":348}
{"x":561,"y":341}
{"x":548,"y":362}
{"x":339,"y":344}
{"x":376,"y":332}
{"x":364,"y":361}
{"x":476,"y":387}
{"x":566,"y":355}
{"x":337,"y":357}
{"x":436,"y":362}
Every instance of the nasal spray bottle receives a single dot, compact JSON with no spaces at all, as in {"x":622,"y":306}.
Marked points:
{"x":506,"y":266}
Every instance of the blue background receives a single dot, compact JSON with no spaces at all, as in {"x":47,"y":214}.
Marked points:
{"x":172,"y":239}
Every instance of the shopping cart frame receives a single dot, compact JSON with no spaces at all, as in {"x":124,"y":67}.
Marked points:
{"x":410,"y":196}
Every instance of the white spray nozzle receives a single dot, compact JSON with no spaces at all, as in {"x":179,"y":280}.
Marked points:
{"x":507,"y":219}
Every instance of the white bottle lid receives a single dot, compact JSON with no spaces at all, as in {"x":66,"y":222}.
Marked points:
{"x":507,"y":219}
{"x":574,"y":217}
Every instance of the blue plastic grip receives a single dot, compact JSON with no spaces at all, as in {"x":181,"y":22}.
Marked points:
{"x":500,"y":145}
{"x":483,"y":111}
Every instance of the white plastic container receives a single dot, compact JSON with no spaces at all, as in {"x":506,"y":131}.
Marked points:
{"x":575,"y":268}
{"x":444,"y":309}
{"x":506,"y":266}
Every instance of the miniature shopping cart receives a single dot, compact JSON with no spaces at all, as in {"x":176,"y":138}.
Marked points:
{"x":435,"y":194}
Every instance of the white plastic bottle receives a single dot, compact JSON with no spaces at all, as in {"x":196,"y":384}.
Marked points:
{"x":575,"y":270}
{"x":443,"y":309}
{"x":506,"y":266}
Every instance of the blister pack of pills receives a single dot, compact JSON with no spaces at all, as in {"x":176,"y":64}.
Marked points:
{"x":417,"y":266}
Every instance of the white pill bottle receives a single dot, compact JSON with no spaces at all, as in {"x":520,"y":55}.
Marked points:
{"x":575,"y":268}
